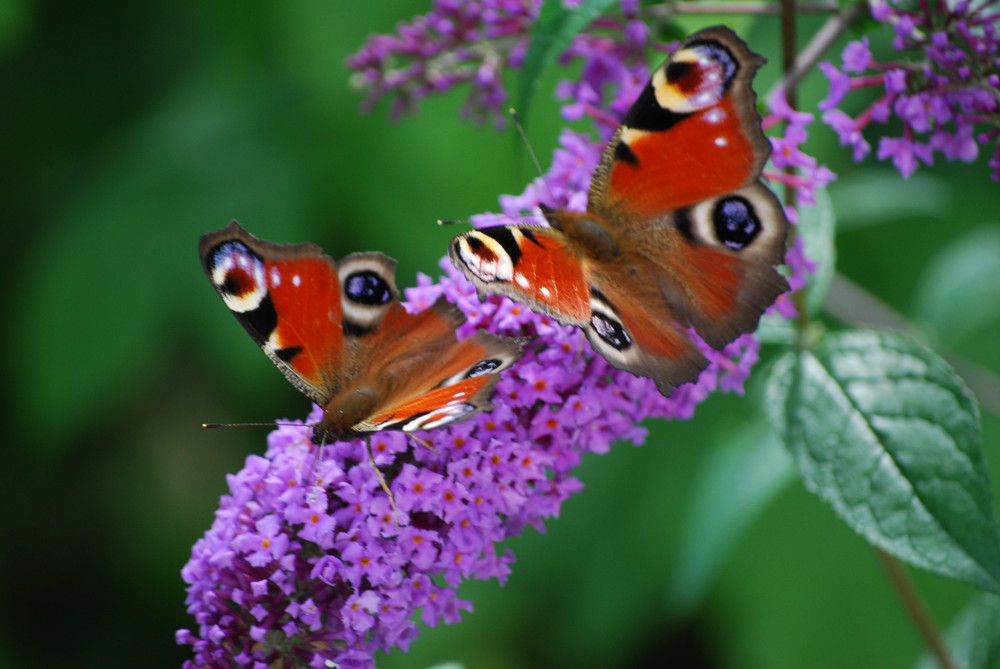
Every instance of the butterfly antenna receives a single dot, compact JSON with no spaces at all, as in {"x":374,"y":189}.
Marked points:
{"x":209,"y":426}
{"x":531,"y":152}
{"x":381,"y":480}
{"x":423,"y":442}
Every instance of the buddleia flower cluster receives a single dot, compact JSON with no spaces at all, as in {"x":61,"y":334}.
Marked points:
{"x":942,"y":84}
{"x":467,"y":42}
{"x":306,"y":563}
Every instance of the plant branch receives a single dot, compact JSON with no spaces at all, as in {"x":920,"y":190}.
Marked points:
{"x":789,"y":47}
{"x":738,"y":8}
{"x":917,"y":609}
{"x":821,"y":41}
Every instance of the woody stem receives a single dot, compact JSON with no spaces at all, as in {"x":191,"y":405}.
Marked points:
{"x":917,"y":609}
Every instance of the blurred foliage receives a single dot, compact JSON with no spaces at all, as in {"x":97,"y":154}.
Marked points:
{"x":135,"y":127}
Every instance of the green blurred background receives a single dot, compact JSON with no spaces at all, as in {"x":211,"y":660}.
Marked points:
{"x":133,"y":128}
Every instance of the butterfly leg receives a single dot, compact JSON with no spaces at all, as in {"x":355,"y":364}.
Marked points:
{"x":423,"y":442}
{"x":317,"y":455}
{"x":381,"y":480}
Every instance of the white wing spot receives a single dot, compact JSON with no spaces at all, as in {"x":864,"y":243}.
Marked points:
{"x":704,"y":99}
{"x":296,"y":280}
{"x":275,"y":277}
{"x":522,"y":281}
{"x":721,"y":141}
{"x":546,"y":293}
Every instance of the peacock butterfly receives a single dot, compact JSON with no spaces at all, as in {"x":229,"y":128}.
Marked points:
{"x":679,"y":231}
{"x":338,"y":333}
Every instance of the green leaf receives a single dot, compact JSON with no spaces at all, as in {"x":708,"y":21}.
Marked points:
{"x":973,"y":639}
{"x":885,"y":431}
{"x":958,"y":294}
{"x":775,"y":329}
{"x":868,"y":197}
{"x":738,"y":479}
{"x":817,"y":226}
{"x":554,"y":30}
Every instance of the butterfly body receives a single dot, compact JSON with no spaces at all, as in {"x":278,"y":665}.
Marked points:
{"x":679,"y":232}
{"x":338,"y":333}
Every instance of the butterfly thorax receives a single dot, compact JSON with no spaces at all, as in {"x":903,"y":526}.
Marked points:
{"x":343,"y":412}
{"x":591,"y":234}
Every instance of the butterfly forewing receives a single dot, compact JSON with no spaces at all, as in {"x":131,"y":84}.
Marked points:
{"x":693,"y":133}
{"x":286,"y":296}
{"x":531,"y":264}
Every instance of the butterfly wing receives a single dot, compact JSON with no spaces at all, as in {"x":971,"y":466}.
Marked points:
{"x":535,"y":265}
{"x":418,"y":375}
{"x":680,"y":183}
{"x":287,"y":297}
{"x":693,"y":133}
{"x":457,"y":384}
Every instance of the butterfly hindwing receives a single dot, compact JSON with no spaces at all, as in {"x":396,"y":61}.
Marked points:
{"x":718,"y":260}
{"x":460,"y":386}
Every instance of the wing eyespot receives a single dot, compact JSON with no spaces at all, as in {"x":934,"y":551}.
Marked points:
{"x":239,"y":275}
{"x":488,"y":254}
{"x":676,"y":71}
{"x":483,"y":367}
{"x":368,"y":288}
{"x":695,"y":78}
{"x":610,"y":330}
{"x":607,"y":327}
{"x":237,"y":283}
{"x":736,"y":222}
